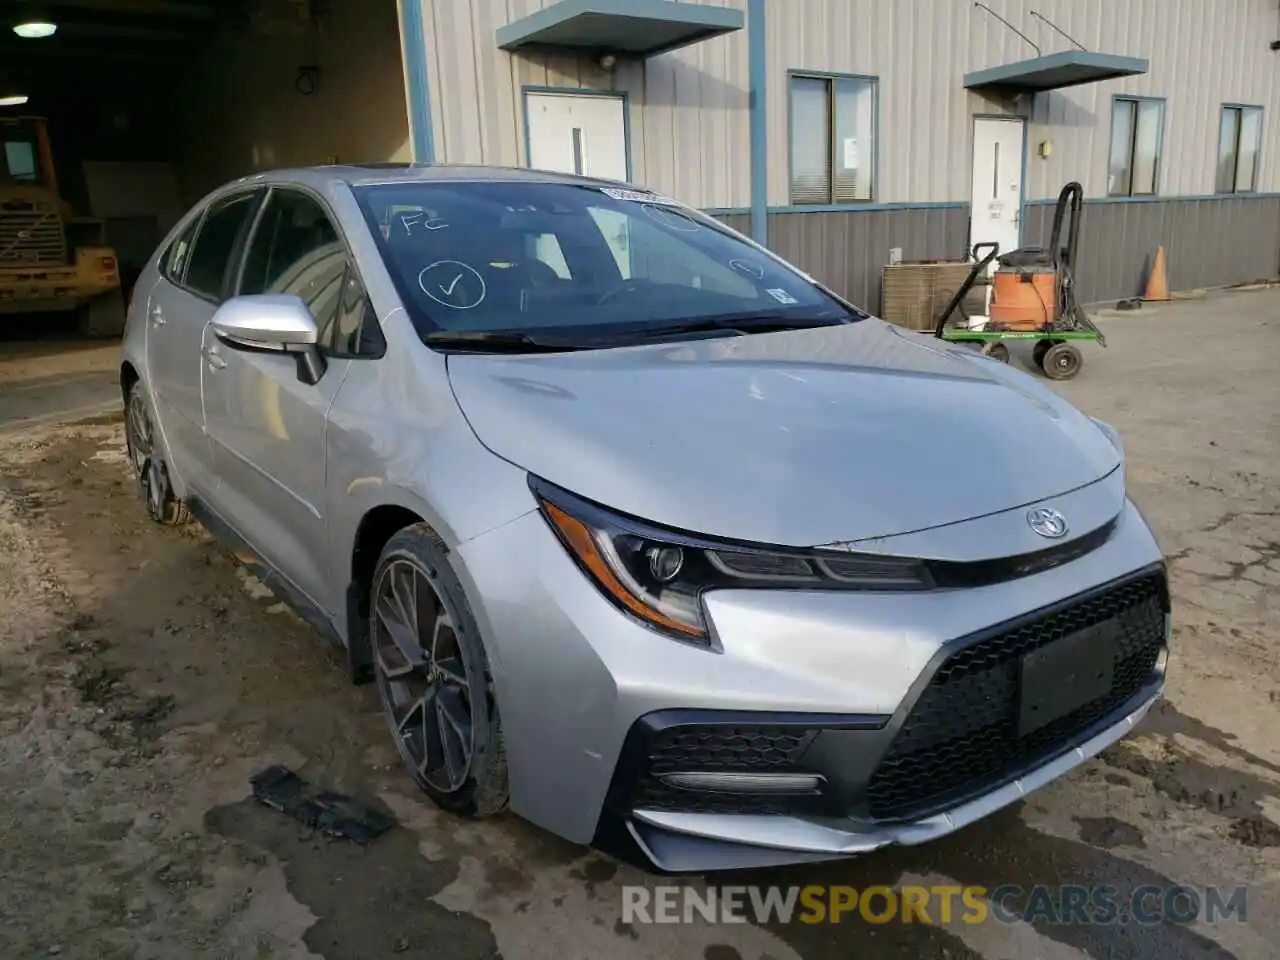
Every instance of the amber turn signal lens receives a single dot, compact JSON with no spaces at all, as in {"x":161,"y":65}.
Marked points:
{"x":578,"y":538}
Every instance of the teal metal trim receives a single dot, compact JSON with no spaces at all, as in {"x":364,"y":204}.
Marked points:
{"x":875,"y":126}
{"x":757,"y":69}
{"x":842,"y":208}
{"x":1022,"y":194}
{"x":1164,"y":114}
{"x":1186,"y":198}
{"x":643,"y":27}
{"x":421,"y":134}
{"x":1257,"y":157}
{"x":1067,"y":68}
{"x":577,"y":92}
{"x":868,"y":207}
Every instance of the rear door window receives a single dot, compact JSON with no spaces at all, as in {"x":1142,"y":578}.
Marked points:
{"x":175,"y":259}
{"x":216,"y":243}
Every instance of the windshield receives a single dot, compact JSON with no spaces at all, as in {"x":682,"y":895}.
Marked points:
{"x":19,"y":163}
{"x":576,"y":261}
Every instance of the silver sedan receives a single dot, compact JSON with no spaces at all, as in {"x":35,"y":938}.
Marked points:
{"x":639,"y":530}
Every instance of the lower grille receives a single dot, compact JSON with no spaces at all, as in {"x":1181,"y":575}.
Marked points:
{"x":715,"y":747}
{"x":961,"y":737}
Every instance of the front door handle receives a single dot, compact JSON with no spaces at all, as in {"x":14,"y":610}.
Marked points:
{"x":215,"y":360}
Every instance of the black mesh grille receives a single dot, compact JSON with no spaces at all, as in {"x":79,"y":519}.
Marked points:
{"x":961,"y":736}
{"x":711,"y":747}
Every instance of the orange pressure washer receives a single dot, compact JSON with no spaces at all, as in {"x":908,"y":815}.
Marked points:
{"x":1032,"y":297}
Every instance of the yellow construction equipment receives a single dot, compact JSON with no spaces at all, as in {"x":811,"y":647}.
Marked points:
{"x":51,"y":260}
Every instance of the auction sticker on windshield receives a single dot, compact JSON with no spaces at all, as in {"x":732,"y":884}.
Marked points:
{"x":639,"y":196}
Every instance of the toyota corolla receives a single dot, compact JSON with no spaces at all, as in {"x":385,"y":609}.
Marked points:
{"x":640,"y":531}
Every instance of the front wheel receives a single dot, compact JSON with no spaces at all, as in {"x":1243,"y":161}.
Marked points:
{"x":433,"y":677}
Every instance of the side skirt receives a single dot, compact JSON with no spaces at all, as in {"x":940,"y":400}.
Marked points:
{"x":276,"y":582}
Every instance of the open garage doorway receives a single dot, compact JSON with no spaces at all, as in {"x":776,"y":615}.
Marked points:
{"x":122,"y":113}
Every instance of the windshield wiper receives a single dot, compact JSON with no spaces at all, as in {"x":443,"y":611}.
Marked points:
{"x":499,"y":341}
{"x":744,"y":323}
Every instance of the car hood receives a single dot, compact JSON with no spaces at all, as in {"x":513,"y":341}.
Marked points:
{"x":832,"y":434}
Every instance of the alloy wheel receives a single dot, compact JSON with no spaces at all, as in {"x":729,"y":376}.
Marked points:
{"x":138,"y":434}
{"x":422,"y":678}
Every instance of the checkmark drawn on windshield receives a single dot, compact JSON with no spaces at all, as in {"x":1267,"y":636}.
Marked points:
{"x":448,"y":291}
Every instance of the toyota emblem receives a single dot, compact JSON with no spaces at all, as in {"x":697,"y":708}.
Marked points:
{"x":1047,"y":522}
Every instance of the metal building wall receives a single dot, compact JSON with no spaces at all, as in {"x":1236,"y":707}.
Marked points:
{"x":847,"y":251}
{"x":689,"y":123}
{"x":687,"y":110}
{"x":1208,"y":241}
{"x":1203,"y":53}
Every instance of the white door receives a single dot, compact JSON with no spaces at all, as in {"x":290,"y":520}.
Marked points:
{"x":577,"y":133}
{"x":997,"y":181}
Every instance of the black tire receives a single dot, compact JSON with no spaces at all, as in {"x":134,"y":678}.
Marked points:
{"x":102,"y":317}
{"x":480,"y":788}
{"x":149,"y":471}
{"x":997,"y":351}
{"x":1041,"y":348}
{"x":1062,"y":361}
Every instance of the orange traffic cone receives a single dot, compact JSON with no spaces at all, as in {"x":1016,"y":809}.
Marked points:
{"x":1157,"y":281}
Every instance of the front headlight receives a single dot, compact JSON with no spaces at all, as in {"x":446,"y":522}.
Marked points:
{"x":658,"y":575}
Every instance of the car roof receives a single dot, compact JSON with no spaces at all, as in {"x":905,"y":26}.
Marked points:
{"x":368,"y":174}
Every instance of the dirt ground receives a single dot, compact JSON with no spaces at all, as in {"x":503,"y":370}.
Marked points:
{"x":144,"y":677}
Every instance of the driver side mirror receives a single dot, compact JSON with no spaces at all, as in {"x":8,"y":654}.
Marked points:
{"x":274,"y":323}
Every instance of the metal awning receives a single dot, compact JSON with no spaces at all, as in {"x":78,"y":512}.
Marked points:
{"x":635,"y":27}
{"x":1066,"y":69}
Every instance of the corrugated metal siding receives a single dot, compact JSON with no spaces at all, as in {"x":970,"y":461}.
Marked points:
{"x":689,"y":116}
{"x":687,"y":109}
{"x":1202,"y":53}
{"x":847,"y":251}
{"x":916,"y":48}
{"x":1208,"y":242}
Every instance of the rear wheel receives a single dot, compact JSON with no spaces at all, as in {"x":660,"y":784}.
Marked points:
{"x":433,"y":677}
{"x":149,"y":470}
{"x":1062,"y":361}
{"x":1040,"y":349}
{"x":102,"y":316}
{"x":997,"y":351}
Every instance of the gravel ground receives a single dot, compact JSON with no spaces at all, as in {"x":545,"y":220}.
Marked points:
{"x":144,"y":676}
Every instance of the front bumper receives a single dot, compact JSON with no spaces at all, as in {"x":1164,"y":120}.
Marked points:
{"x":582,"y":689}
{"x":679,"y":842}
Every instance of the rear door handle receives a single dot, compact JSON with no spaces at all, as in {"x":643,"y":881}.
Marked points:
{"x":157,"y":317}
{"x":215,"y":359}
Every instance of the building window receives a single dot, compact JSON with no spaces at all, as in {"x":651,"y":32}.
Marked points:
{"x":833,"y":139}
{"x":1239,"y":142}
{"x":1137,"y":135}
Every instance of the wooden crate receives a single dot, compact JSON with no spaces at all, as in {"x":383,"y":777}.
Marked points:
{"x":914,"y":293}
